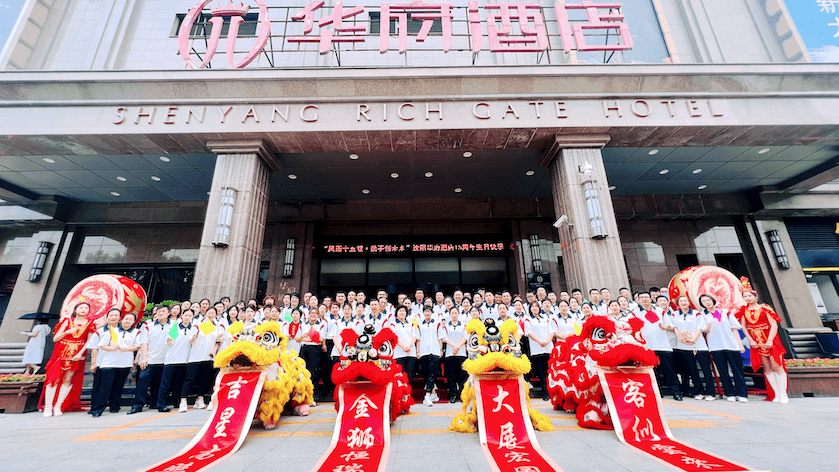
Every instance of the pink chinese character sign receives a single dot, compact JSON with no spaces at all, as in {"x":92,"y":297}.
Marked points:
{"x":636,"y":410}
{"x":236,"y":396}
{"x":236,"y":14}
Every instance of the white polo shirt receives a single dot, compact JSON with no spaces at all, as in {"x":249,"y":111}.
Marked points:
{"x":720,"y":337}
{"x":455,"y":332}
{"x":117,"y":359}
{"x":404,"y":332}
{"x":319,"y":326}
{"x":541,"y":328}
{"x":380,"y":321}
{"x":656,"y":337}
{"x":293,"y":344}
{"x":430,"y":333}
{"x":178,"y":352}
{"x":689,"y":322}
{"x":339,"y":327}
{"x":204,"y":344}
{"x":416,"y":310}
{"x":154,"y":334}
{"x":564,"y":325}
{"x":489,"y":311}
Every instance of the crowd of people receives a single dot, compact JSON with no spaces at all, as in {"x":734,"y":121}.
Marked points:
{"x":174,"y":349}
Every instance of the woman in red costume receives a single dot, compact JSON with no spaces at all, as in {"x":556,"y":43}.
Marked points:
{"x":760,"y":323}
{"x":66,"y":366}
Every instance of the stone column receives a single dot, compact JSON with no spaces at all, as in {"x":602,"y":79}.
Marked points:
{"x":787,"y":288}
{"x":589,"y":262}
{"x":245,"y":166}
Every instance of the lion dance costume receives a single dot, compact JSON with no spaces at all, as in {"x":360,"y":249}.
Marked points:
{"x":573,"y":382}
{"x":369,"y":356}
{"x":492,"y":348}
{"x":371,"y":391}
{"x":288,"y":384}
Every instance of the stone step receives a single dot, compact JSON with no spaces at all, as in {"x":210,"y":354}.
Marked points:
{"x":12,"y":345}
{"x":12,"y":352}
{"x":14,"y":358}
{"x":12,"y":370}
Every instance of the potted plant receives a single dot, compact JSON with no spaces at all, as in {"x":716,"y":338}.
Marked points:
{"x":813,"y":377}
{"x":19,"y":393}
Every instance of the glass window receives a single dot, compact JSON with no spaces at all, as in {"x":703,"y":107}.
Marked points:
{"x":483,"y":270}
{"x":387,"y":272}
{"x":343,"y":272}
{"x":437,"y":270}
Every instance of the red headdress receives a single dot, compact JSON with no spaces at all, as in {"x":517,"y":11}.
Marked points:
{"x":745,"y":286}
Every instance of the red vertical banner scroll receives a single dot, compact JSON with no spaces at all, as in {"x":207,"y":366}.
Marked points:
{"x":635,"y":404}
{"x":361,"y":441}
{"x":236,"y":397}
{"x":506,"y":430}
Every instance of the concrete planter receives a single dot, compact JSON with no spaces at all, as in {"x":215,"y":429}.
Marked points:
{"x":19,"y":397}
{"x":813,"y":381}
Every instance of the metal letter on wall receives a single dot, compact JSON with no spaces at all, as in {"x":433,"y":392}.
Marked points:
{"x":236,"y":14}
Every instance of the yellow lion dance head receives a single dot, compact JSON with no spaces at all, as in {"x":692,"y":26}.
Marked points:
{"x":265,"y":347}
{"x":492,"y":347}
{"x":259,"y":346}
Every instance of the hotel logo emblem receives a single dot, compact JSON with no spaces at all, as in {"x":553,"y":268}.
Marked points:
{"x":236,"y":13}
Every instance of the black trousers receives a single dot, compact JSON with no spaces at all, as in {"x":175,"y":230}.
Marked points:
{"x":311,"y":355}
{"x":326,"y":364}
{"x":171,"y":382}
{"x":455,"y":376}
{"x":112,"y":381}
{"x":665,"y":368}
{"x":198,"y":375}
{"x":724,"y":360}
{"x":409,"y":366}
{"x":430,"y":365}
{"x":540,"y":367}
{"x":148,"y":385}
{"x":685,"y":363}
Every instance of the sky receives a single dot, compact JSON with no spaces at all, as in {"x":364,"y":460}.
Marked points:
{"x":9,"y":11}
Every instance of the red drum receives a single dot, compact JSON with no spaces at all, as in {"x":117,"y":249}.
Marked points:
{"x":104,"y":292}
{"x":698,"y":280}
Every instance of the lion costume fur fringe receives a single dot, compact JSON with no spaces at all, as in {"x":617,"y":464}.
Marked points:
{"x":508,"y":358}
{"x":288,"y":383}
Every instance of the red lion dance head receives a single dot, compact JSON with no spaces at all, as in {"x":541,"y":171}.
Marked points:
{"x":369,"y":356}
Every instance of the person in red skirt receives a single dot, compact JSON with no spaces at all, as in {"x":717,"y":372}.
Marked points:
{"x":760,"y":325}
{"x":66,"y":365}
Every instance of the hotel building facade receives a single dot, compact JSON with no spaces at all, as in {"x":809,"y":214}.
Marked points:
{"x":208,"y":149}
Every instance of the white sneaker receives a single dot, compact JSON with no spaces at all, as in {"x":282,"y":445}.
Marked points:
{"x":47,"y":412}
{"x":183,"y":406}
{"x":199,"y":404}
{"x":784,"y":399}
{"x":210,"y":406}
{"x":427,"y":400}
{"x":699,"y":397}
{"x":742,"y":399}
{"x":731,"y":399}
{"x":314,"y":403}
{"x":434,"y":398}
{"x":57,"y":412}
{"x":710,"y":398}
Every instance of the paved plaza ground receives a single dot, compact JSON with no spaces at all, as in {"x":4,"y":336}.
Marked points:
{"x":800,"y":436}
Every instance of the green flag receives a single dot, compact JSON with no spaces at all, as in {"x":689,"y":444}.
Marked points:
{"x":174,"y":332}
